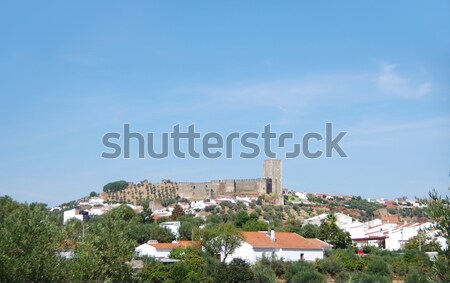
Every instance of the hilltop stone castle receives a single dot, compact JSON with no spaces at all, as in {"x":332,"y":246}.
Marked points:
{"x":270,"y":183}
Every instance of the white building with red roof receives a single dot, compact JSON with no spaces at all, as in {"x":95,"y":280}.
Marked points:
{"x":289,"y":246}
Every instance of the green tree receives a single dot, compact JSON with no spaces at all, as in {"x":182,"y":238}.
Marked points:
{"x":241,"y":218}
{"x":438,"y":209}
{"x":29,"y":243}
{"x":423,"y":242}
{"x":255,"y":226}
{"x":167,"y":201}
{"x":185,"y":231}
{"x":332,"y":234}
{"x":103,"y":253}
{"x":222,"y":239}
{"x":115,"y":186}
{"x":122,"y":212}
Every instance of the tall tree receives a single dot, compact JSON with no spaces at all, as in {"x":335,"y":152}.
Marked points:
{"x":438,"y":209}
{"x":332,"y":234}
{"x":222,"y":239}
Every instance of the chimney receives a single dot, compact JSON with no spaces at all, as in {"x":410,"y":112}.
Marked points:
{"x":272,"y":236}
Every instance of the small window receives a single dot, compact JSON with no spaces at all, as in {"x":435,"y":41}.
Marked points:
{"x":302,"y":256}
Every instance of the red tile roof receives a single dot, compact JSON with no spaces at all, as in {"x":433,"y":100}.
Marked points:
{"x":283,"y":240}
{"x":319,"y":242}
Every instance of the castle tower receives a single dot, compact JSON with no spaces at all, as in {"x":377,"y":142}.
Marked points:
{"x":273,"y":170}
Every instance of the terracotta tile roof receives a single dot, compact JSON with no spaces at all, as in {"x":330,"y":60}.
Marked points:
{"x":283,"y":240}
{"x":319,"y":242}
{"x":179,"y":244}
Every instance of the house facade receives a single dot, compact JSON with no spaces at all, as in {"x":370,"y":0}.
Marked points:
{"x":289,"y":246}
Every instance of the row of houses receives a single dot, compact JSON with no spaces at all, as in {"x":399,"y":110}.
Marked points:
{"x":386,"y":232}
{"x":255,"y":245}
{"x":93,"y":208}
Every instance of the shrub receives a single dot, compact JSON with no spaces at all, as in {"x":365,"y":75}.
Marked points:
{"x":378,"y":266}
{"x":310,"y":276}
{"x":237,"y":271}
{"x":342,"y":277}
{"x":263,"y":274}
{"x":361,"y":277}
{"x":415,"y":277}
{"x":330,"y":265}
{"x":297,"y":267}
{"x":399,"y":267}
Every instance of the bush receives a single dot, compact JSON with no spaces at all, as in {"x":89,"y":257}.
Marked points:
{"x":263,"y":274}
{"x":415,"y":277}
{"x":237,"y":271}
{"x":361,"y":277}
{"x":310,"y":276}
{"x":330,"y":265}
{"x":342,"y":277}
{"x":297,"y":267}
{"x":400,"y":267}
{"x":378,"y":266}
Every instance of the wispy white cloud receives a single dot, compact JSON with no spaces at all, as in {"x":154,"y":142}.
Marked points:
{"x":390,"y":82}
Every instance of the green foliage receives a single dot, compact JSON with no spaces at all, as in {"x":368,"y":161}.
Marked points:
{"x":378,"y":266}
{"x":122,"y":212}
{"x":364,"y":205}
{"x":153,"y":272}
{"x":93,"y":194}
{"x":241,"y":218}
{"x":29,"y":239}
{"x":310,"y":276}
{"x":103,"y":252}
{"x":185,"y":230}
{"x":419,"y":260}
{"x":424,"y":243}
{"x":115,"y":186}
{"x":273,"y":262}
{"x":254,"y":226}
{"x":307,"y":231}
{"x":222,"y":239}
{"x":236,"y":271}
{"x":362,"y":277}
{"x":330,"y":265}
{"x":415,"y":277}
{"x":297,"y":267}
{"x":263,"y":273}
{"x":332,"y":234}
{"x":343,"y":277}
{"x":438,"y":209}
{"x":177,"y":253}
{"x":167,"y":201}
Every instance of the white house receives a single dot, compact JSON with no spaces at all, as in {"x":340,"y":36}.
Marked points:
{"x":162,"y":250}
{"x":72,"y":214}
{"x":173,"y":226}
{"x":341,"y":219}
{"x":289,"y":246}
{"x":302,"y":196}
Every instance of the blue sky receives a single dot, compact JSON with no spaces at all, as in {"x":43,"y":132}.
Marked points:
{"x":72,"y":71}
